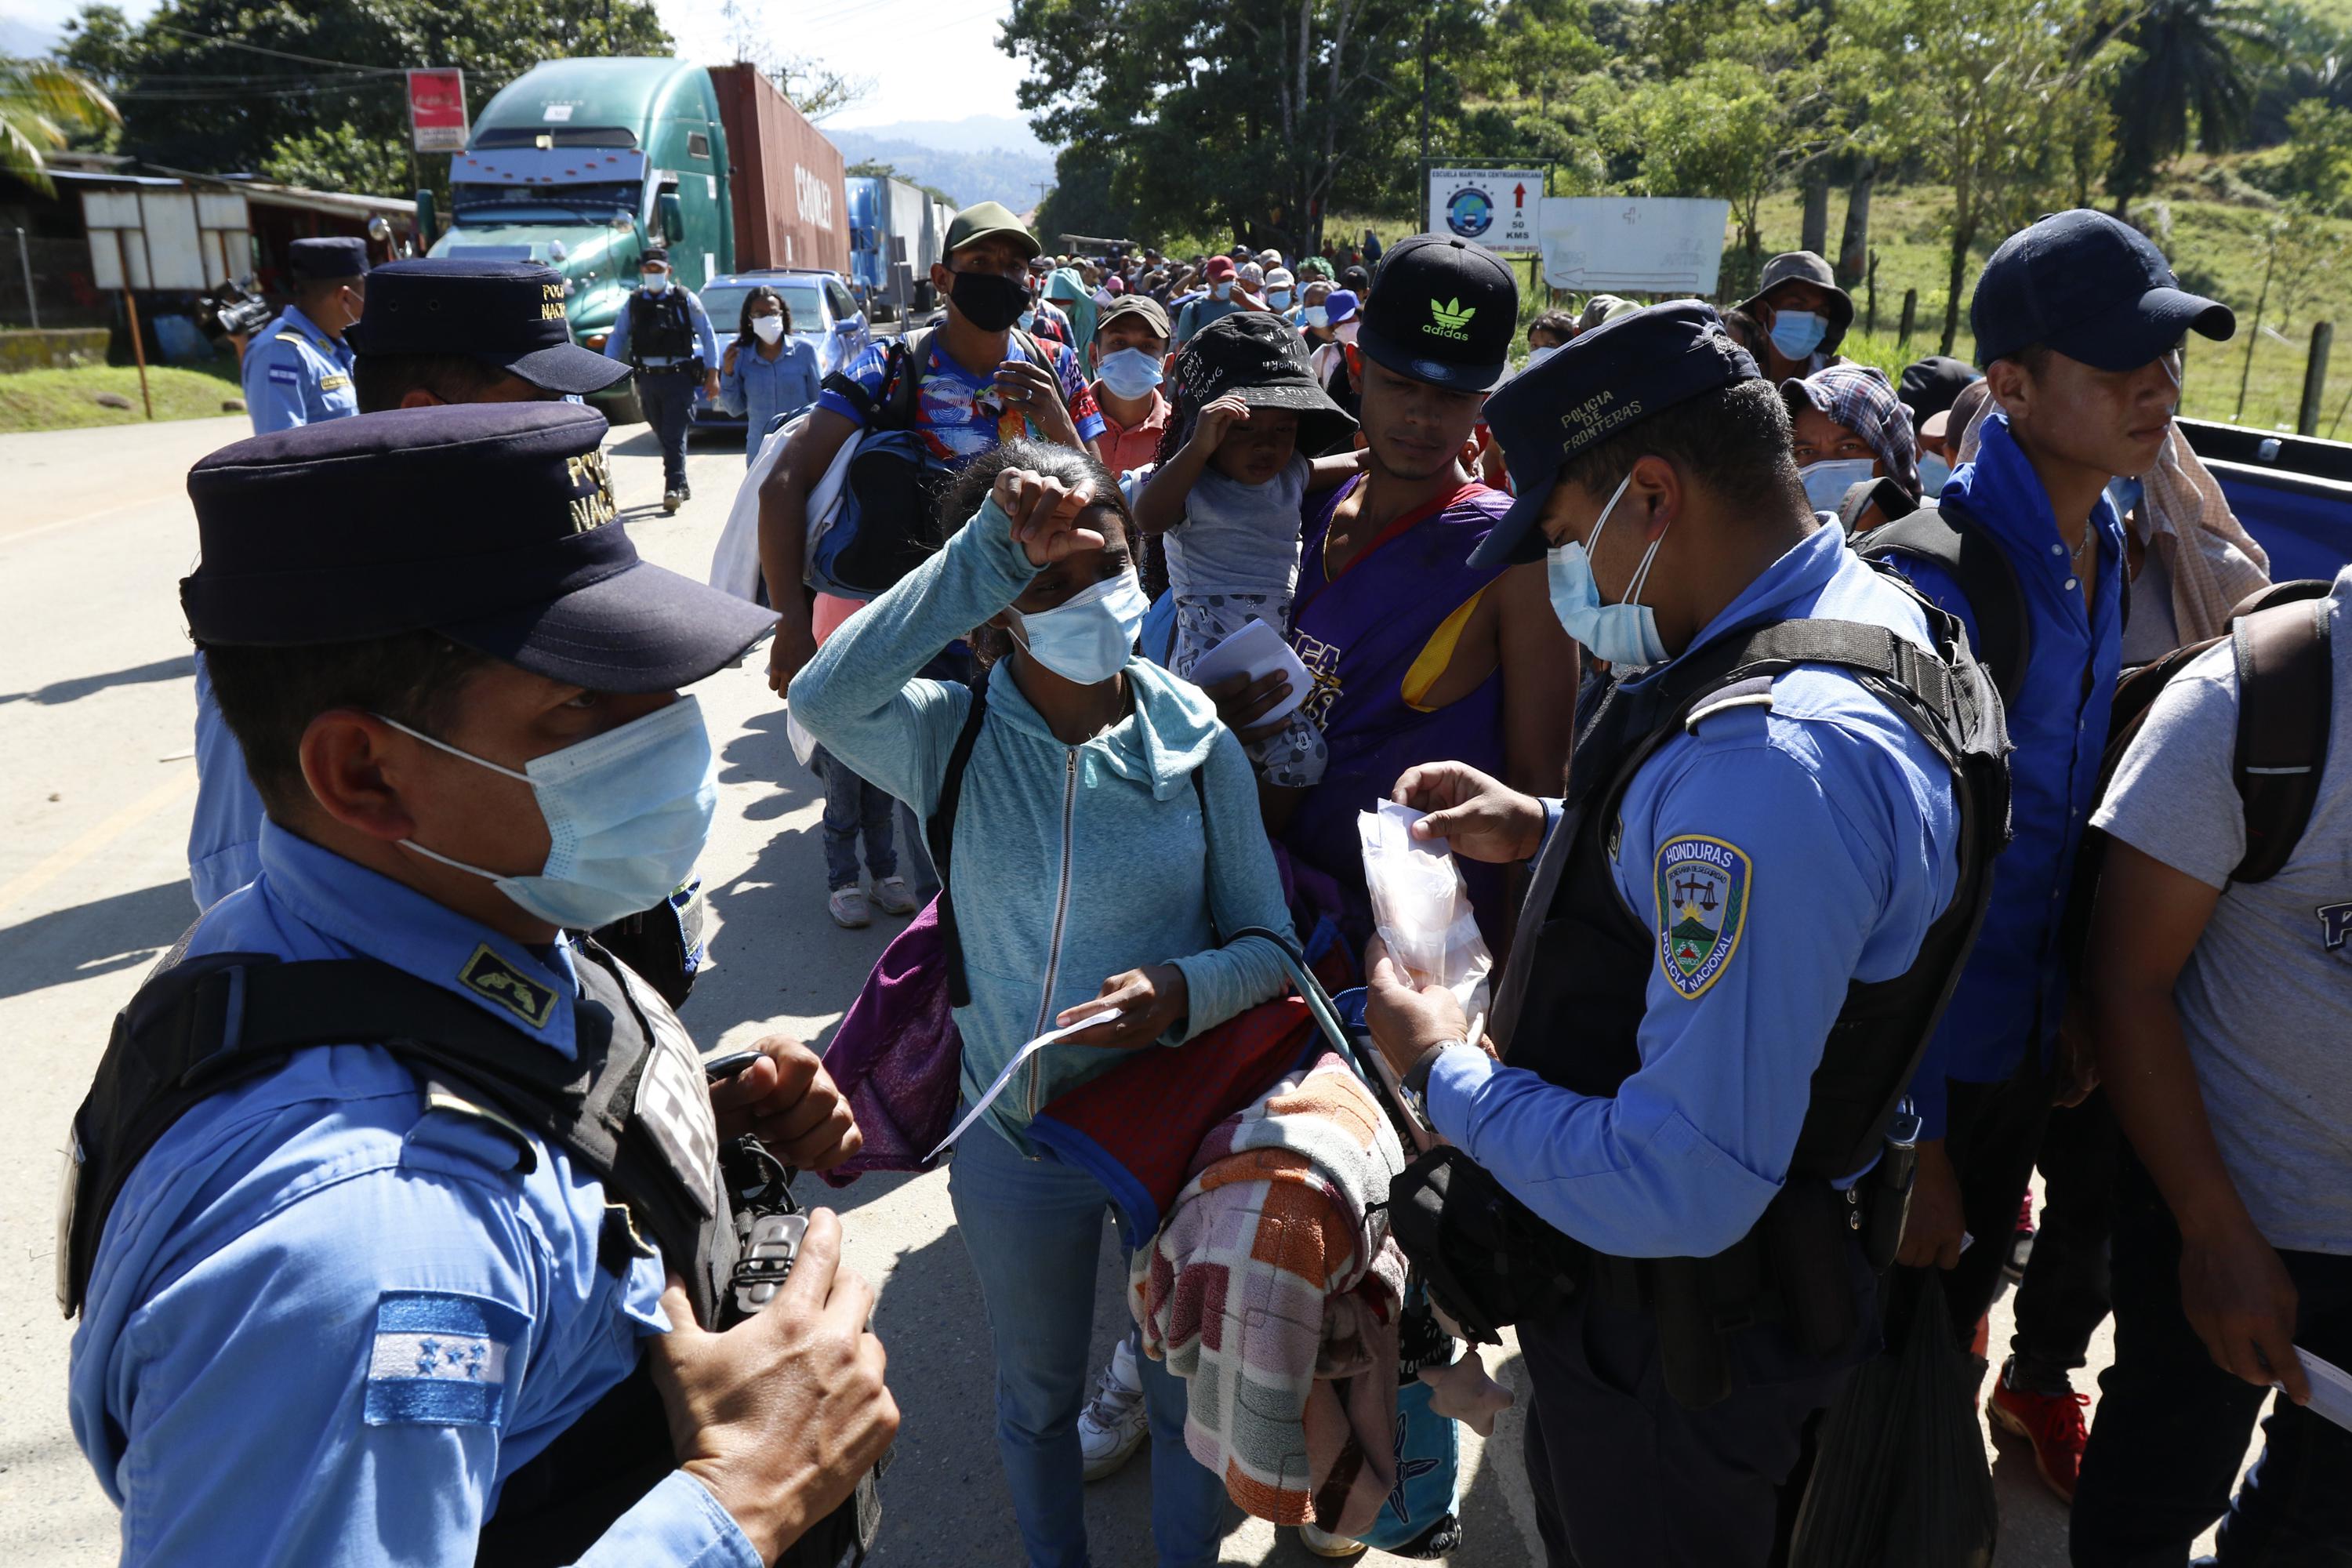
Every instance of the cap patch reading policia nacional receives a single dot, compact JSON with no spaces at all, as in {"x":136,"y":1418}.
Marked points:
{"x":492,"y":523}
{"x":509,"y":314}
{"x":1595,"y":387}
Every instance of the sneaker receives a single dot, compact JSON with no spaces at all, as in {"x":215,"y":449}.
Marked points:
{"x":684,"y":491}
{"x":2052,"y":1423}
{"x":672,"y":500}
{"x":847,"y":908}
{"x":1112,"y":1427}
{"x":894,"y":897}
{"x":1323,"y":1543}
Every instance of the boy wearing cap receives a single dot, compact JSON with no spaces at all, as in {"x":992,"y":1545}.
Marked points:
{"x":433,"y":330}
{"x":1131,"y":346}
{"x":1417,"y":648}
{"x":1221,"y":286}
{"x":1755,"y":886}
{"x":664,"y":334}
{"x":2078,"y":324}
{"x":980,"y":381}
{"x":1803,"y":312}
{"x":297,"y":371}
{"x":339,"y":1309}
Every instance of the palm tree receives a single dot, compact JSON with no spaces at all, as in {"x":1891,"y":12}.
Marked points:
{"x":2188,"y":57}
{"x":42,"y":106}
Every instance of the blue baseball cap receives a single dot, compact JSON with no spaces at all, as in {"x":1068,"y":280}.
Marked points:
{"x":509,"y":314}
{"x":492,"y":523}
{"x":2091,"y":287}
{"x":1589,"y":390}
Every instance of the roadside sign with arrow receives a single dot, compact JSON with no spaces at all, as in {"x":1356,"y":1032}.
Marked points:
{"x":1493,"y":207}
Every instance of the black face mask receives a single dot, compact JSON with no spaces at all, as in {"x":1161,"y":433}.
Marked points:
{"x":989,"y":300}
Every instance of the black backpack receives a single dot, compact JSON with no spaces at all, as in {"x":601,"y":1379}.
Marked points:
{"x":2281,"y":638}
{"x":2004,"y":643}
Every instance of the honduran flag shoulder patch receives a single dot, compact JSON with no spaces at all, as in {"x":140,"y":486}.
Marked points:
{"x":441,"y":1359}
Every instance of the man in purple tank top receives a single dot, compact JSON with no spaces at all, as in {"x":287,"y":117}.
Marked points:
{"x":1415,"y":655}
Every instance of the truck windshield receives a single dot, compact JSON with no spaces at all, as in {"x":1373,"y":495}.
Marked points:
{"x":592,"y":200}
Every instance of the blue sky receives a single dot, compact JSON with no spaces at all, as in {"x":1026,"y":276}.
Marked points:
{"x":901,"y":44}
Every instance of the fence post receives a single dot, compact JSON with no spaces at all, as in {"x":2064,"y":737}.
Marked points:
{"x":2314,"y":378}
{"x":1870,"y":319}
{"x":24,"y":258}
{"x":1910,"y":308}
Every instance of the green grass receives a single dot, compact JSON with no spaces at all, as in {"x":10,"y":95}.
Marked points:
{"x":66,"y":399}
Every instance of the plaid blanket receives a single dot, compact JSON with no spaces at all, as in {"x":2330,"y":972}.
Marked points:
{"x":1275,"y":1289}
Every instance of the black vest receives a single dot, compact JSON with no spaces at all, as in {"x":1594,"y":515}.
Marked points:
{"x":632,"y":1107}
{"x":660,"y":327}
{"x":1588,"y":985}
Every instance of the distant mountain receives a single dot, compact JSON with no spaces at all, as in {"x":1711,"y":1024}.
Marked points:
{"x":984,"y":158}
{"x":22,"y":41}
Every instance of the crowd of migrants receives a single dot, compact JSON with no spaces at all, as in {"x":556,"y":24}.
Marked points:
{"x":1844,"y":778}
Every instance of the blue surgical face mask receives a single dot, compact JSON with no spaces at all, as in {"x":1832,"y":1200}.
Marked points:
{"x":1934,"y":474}
{"x":656,"y":283}
{"x":1026,"y":319}
{"x":628,"y":813}
{"x":1220,"y":290}
{"x":1626,"y":634}
{"x":1827,"y":481}
{"x":1316,"y":316}
{"x":1536,"y":356}
{"x":1797,"y":333}
{"x":1088,"y":637}
{"x":1129,"y":372}
{"x":1279,"y":298}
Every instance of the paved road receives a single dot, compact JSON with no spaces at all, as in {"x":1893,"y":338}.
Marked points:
{"x":96,"y":785}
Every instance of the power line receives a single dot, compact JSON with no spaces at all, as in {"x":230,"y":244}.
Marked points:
{"x":276,"y":54}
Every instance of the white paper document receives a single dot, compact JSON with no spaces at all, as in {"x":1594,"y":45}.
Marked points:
{"x":2331,"y":1388}
{"x":1256,"y":649}
{"x":1020,"y":1056}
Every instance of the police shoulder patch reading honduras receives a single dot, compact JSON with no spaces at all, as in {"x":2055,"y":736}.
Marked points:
{"x":1702,"y":900}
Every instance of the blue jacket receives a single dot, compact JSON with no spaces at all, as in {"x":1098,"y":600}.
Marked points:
{"x":294,"y":374}
{"x":1072,"y":863}
{"x":249,"y":1379}
{"x":1835,"y":836}
{"x":2014,"y":988}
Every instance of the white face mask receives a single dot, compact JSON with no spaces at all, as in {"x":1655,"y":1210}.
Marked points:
{"x":656,"y":283}
{"x":1220,"y":290}
{"x":627,"y":812}
{"x":1088,"y":637}
{"x":768,"y":329}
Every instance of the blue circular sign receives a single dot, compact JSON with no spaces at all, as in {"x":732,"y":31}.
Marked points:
{"x":1470,"y":214}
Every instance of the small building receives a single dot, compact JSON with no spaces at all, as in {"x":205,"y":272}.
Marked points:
{"x":46,"y":234}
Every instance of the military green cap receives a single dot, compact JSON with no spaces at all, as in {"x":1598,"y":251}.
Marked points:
{"x":986,"y":220}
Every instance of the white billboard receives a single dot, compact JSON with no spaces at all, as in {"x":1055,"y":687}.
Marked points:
{"x":1633,"y":245}
{"x":1493,"y":207}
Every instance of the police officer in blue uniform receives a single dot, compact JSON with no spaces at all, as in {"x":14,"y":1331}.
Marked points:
{"x":397,"y":1230}
{"x":297,"y":371}
{"x":434,"y":330}
{"x":664,"y":334}
{"x":1741,"y":922}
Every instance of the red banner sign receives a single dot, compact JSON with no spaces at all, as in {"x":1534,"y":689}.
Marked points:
{"x":437,"y":110}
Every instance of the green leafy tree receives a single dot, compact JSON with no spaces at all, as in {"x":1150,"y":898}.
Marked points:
{"x":2318,"y":166}
{"x":43,"y":106}
{"x":1717,"y":131}
{"x":223,"y":84}
{"x":2189,"y":70}
{"x":339,"y":158}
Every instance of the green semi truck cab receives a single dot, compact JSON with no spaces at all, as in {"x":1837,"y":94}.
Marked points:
{"x":581,"y":163}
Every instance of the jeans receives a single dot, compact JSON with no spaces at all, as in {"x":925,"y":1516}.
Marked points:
{"x":667,"y":397}
{"x":852,"y":808}
{"x":1994,"y":1132}
{"x":2172,"y":1426}
{"x":1034,"y":1228}
{"x":2064,"y":1295}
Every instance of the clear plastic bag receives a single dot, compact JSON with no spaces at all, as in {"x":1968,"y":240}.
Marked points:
{"x":1422,"y":907}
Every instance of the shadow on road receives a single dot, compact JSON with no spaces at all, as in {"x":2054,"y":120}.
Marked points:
{"x":93,"y":939}
{"x":62,"y":692}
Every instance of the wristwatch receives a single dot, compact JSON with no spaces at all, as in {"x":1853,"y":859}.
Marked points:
{"x":1416,"y":1082}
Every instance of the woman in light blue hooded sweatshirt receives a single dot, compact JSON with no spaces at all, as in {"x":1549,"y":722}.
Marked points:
{"x":1067,"y":287}
{"x":1087,"y":879}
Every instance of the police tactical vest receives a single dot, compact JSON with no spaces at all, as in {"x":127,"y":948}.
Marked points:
{"x":660,"y":327}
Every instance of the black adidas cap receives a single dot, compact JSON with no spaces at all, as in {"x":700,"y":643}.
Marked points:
{"x":1442,"y":310}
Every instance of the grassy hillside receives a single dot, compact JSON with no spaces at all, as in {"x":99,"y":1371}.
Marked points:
{"x":67,"y":399}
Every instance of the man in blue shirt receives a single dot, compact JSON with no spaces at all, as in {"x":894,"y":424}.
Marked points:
{"x":338,"y":1311}
{"x":433,"y":329}
{"x":1756,"y":887}
{"x":664,"y":334}
{"x":298,"y":369}
{"x":2078,"y":322}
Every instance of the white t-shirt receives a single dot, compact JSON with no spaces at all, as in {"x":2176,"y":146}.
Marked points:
{"x":2265,"y":1000}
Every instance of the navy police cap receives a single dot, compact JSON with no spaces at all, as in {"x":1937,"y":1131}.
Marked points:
{"x":492,"y":523}
{"x":317,"y":260}
{"x":1615,"y":375}
{"x":2091,"y":287}
{"x":506,"y":313}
